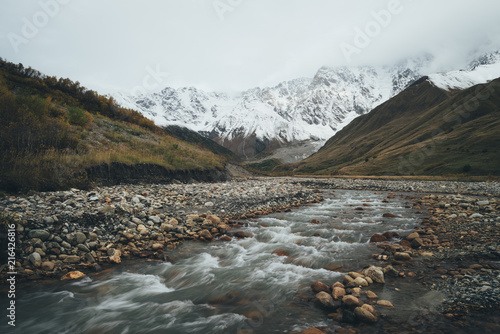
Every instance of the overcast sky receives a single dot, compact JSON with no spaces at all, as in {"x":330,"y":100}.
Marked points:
{"x":235,"y":44}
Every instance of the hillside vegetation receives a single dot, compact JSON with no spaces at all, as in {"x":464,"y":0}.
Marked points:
{"x":52,"y":130}
{"x":423,"y":130}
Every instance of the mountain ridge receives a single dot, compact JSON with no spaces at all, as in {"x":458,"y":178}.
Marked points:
{"x":303,"y":112}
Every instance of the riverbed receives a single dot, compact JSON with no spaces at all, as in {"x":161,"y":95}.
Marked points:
{"x":259,"y":284}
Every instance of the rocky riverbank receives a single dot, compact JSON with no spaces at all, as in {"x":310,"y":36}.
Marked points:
{"x":434,"y":187}
{"x":453,"y":256}
{"x":58,"y":232}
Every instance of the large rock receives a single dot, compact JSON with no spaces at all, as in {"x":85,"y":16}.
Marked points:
{"x":351,"y":301}
{"x":412,"y":236}
{"x":320,"y":286}
{"x":390,"y":271}
{"x":80,"y":237}
{"x":155,"y":219}
{"x":325,"y":300}
{"x":115,"y":257}
{"x":214,"y":219}
{"x":39,"y":234}
{"x":375,"y":273}
{"x":35,"y":259}
{"x":206,"y":235}
{"x":280,"y":252}
{"x":72,"y":259}
{"x":166,"y":227}
{"x":389,"y":215}
{"x":242,"y":235}
{"x":417,"y":243}
{"x":48,"y":266}
{"x":385,"y":303}
{"x":361,"y":281}
{"x":402,"y":256}
{"x":348,"y":279}
{"x":73,"y":275}
{"x":365,"y":316}
{"x":338,"y":292}
{"x":377,"y":238}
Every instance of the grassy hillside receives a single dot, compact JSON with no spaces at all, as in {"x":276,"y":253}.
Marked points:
{"x":195,"y":138}
{"x":422,"y":131}
{"x":52,"y":130}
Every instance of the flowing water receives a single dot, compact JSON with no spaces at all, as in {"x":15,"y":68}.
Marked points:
{"x":224,"y":287}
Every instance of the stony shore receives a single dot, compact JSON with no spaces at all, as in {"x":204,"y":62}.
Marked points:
{"x":58,"y":232}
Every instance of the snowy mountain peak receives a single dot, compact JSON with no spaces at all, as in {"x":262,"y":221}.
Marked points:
{"x":479,"y":71}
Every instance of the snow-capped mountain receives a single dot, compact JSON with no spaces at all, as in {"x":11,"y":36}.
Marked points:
{"x":307,"y":111}
{"x":481,"y":70}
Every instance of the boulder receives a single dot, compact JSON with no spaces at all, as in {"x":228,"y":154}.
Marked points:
{"x":417,"y":243}
{"x":206,"y":234}
{"x":35,"y":259}
{"x":348,"y":279}
{"x":320,"y":286}
{"x":412,"y":236}
{"x":280,"y":252}
{"x":242,"y":235}
{"x":115,"y":257}
{"x":361,"y":281}
{"x":370,"y":308}
{"x":338,"y":293}
{"x":385,"y":303}
{"x":157,"y":246}
{"x":214,"y":219}
{"x":351,"y":301}
{"x":364,"y":315}
{"x":155,"y":219}
{"x":39,"y":234}
{"x":73,"y":275}
{"x":390,"y":271}
{"x":371,"y":295}
{"x":355,"y":275}
{"x":80,"y":237}
{"x":72,"y":259}
{"x":375,"y":273}
{"x":338,"y":284}
{"x":402,"y":256}
{"x":377,"y":238}
{"x":48,"y":266}
{"x":325,"y":300}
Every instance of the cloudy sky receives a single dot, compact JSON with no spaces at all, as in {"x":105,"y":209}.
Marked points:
{"x":233,"y":45}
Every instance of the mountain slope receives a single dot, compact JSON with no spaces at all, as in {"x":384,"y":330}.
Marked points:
{"x":55,"y":134}
{"x":423,"y":130}
{"x":293,"y":112}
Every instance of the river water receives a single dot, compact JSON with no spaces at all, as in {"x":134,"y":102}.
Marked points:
{"x":224,"y":287}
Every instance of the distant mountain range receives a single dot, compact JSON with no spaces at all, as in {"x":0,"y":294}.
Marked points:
{"x":297,"y":117}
